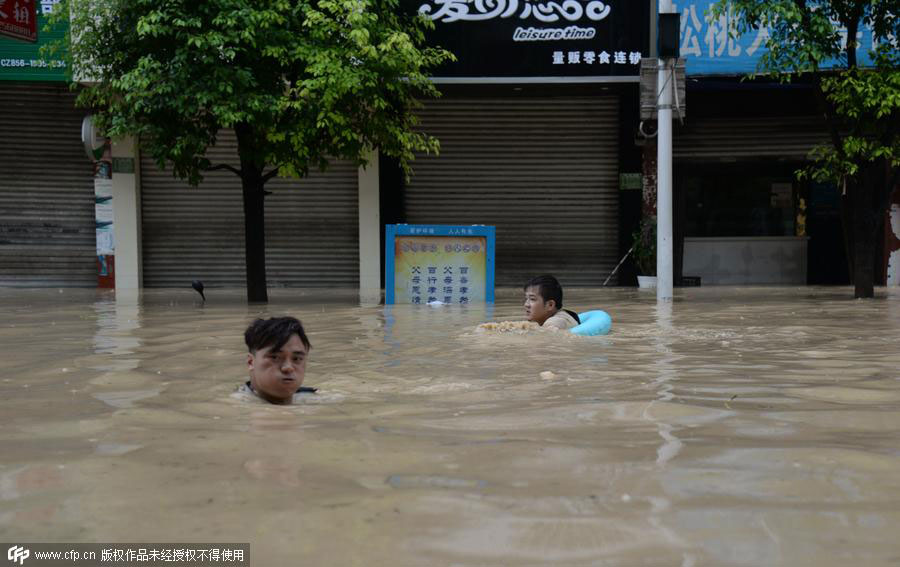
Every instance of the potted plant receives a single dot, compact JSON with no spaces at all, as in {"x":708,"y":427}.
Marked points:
{"x":644,"y":252}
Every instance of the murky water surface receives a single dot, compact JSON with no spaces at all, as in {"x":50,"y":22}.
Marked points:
{"x":734,"y":427}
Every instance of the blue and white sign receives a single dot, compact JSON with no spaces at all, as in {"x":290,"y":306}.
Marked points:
{"x":709,"y":49}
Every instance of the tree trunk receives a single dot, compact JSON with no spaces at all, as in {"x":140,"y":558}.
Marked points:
{"x":866,"y":209}
{"x":254,"y":217}
{"x":255,"y":238}
{"x":864,"y":254}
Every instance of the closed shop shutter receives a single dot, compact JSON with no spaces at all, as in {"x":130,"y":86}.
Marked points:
{"x":47,"y":235}
{"x":783,"y":137}
{"x":543,"y":171}
{"x":312,"y":227}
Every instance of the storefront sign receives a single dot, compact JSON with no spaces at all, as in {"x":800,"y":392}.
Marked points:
{"x":709,"y":49}
{"x":528,"y":40}
{"x":17,"y":19}
{"x":22,"y":60}
{"x":628,"y":181}
{"x":439,"y":264}
{"x":122,"y":165}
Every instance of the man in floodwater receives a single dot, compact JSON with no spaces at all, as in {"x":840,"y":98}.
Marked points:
{"x":543,"y":304}
{"x":278,"y":349}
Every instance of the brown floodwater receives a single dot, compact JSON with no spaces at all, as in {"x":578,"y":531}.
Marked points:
{"x":735,"y":426}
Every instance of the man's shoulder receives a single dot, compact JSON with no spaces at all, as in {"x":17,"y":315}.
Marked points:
{"x":561,"y":320}
{"x":246,"y":388}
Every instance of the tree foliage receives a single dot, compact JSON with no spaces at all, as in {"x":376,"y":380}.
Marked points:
{"x":867,"y":104}
{"x":314,"y":79}
{"x":818,"y":40}
{"x":301,"y":82}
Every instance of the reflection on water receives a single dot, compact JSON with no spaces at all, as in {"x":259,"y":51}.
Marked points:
{"x":753,"y":426}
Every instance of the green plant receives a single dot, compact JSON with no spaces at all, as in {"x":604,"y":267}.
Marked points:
{"x":644,"y":248}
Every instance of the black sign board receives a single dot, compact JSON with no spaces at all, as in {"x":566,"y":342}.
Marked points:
{"x":577,"y":40}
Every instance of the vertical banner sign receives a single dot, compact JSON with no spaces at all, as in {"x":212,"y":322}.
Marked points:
{"x":439,"y":264}
{"x":18,"y":19}
{"x":103,"y":214}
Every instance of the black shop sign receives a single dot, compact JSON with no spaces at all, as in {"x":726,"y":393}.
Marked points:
{"x":556,"y":40}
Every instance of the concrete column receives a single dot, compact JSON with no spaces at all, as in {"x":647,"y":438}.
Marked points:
{"x":127,"y":213}
{"x":369,"y":230}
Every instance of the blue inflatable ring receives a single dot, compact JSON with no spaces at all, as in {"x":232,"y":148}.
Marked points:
{"x":593,"y":323}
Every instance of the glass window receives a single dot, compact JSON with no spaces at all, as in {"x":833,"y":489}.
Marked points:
{"x":739,"y":200}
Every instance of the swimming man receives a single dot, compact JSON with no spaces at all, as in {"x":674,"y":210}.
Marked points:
{"x":543,"y":304}
{"x":278,"y":350}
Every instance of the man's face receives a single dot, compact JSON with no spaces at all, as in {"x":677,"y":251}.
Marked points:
{"x":276,"y":375}
{"x":536,"y":309}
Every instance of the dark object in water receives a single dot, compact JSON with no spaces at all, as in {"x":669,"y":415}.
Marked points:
{"x":198,"y":285}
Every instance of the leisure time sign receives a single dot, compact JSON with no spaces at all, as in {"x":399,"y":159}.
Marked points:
{"x":507,"y":40}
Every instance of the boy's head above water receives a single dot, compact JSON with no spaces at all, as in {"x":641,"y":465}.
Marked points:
{"x":277,"y":358}
{"x":543,"y":298}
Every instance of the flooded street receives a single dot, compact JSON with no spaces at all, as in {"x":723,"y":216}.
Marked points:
{"x":737,"y":426}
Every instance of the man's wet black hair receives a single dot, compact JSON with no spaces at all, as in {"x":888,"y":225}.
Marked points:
{"x":273,"y":332}
{"x":548,"y":287}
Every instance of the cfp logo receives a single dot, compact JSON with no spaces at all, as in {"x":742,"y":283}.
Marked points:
{"x":17,"y":553}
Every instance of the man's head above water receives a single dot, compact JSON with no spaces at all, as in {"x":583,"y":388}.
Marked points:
{"x":277,"y":358}
{"x":543,"y":298}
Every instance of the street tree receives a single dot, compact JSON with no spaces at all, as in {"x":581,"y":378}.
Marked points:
{"x":818,"y":40}
{"x":301,"y":83}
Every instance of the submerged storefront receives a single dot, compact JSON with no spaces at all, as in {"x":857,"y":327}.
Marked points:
{"x":535,"y":125}
{"x":531,"y":124}
{"x":742,"y":216}
{"x":190,"y":233}
{"x":47,"y":225}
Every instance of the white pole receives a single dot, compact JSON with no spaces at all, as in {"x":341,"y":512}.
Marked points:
{"x":665,"y":85}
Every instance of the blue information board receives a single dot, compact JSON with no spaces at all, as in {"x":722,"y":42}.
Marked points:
{"x":438,"y":264}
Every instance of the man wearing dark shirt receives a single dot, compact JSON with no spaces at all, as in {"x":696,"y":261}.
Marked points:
{"x":278,"y":350}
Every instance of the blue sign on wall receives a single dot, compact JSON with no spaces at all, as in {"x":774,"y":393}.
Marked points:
{"x":709,"y":49}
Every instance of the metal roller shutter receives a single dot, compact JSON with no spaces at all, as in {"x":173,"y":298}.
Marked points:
{"x":47,"y":234}
{"x":786,"y":137}
{"x":312,"y":227}
{"x":544,"y":171}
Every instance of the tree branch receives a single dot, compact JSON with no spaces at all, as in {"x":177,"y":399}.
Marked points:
{"x":827,"y":108}
{"x":852,"y":27}
{"x":225,"y":166}
{"x":271,"y":174}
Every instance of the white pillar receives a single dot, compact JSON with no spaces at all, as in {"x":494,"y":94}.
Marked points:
{"x":126,"y":214}
{"x":369,"y":231}
{"x":893,"y":269}
{"x":665,"y":84}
